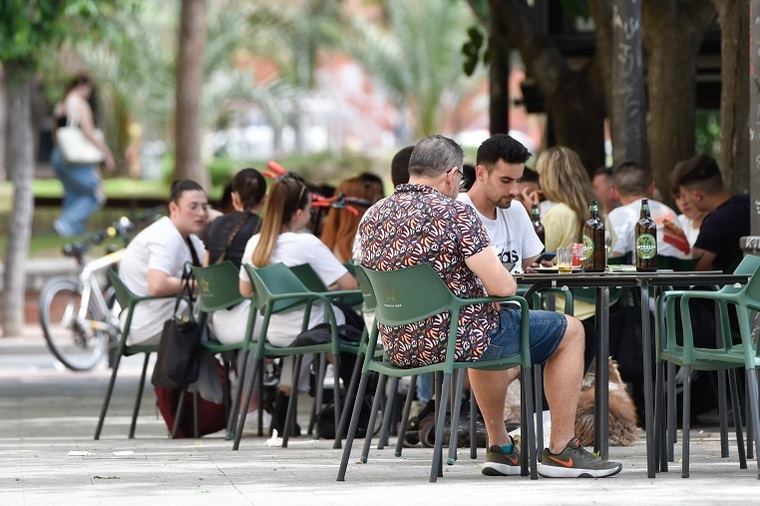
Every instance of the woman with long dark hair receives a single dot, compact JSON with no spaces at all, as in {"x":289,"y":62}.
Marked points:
{"x":227,"y":238}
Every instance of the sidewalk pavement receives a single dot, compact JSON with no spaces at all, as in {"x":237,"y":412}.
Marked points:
{"x":48,"y":456}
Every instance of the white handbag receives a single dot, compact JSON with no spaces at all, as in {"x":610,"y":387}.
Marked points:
{"x":75,"y":147}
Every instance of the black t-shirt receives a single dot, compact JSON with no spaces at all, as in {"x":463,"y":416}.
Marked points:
{"x":721,"y":230}
{"x":219,"y":235}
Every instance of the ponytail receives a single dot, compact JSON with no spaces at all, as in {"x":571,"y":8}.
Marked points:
{"x":287,"y":196}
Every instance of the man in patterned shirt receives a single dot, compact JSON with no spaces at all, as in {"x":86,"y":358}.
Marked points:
{"x":423,"y":223}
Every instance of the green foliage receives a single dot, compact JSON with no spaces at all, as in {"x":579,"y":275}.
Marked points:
{"x":707,"y":131}
{"x":29,"y":27}
{"x":576,"y":8}
{"x":471,"y":50}
{"x":416,"y":56}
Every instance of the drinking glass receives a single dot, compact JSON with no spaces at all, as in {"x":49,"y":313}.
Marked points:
{"x":565,"y":259}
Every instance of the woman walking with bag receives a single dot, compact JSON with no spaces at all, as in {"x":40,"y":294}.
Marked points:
{"x":78,"y":150}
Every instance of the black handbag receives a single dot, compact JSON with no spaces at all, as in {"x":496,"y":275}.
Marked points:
{"x":178,"y":363}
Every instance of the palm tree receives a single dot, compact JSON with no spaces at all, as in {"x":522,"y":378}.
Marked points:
{"x":135,"y":62}
{"x":416,"y":56}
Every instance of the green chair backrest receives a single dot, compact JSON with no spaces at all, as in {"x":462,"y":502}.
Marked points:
{"x":750,"y":264}
{"x":275,"y":279}
{"x":124,"y":295}
{"x":309,"y":277}
{"x":408,"y":295}
{"x":370,"y":303}
{"x":217,"y":286}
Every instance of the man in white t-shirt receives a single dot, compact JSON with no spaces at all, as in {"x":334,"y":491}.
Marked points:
{"x":633,"y":182}
{"x":155,"y":258}
{"x":500,"y":165}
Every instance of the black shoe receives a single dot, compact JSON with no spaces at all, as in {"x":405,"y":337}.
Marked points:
{"x":279,"y":413}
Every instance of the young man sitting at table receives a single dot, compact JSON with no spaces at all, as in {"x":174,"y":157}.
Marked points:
{"x":423,"y":223}
{"x":727,"y":217}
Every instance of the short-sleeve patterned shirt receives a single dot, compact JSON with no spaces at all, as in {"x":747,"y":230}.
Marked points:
{"x":418,"y":224}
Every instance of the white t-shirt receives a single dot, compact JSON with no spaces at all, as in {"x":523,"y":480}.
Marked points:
{"x":687,"y":225}
{"x":160,"y":246}
{"x":511,"y":233}
{"x":622,"y":224}
{"x":293,"y":249}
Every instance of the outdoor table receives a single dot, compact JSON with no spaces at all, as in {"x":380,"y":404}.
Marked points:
{"x":603,"y":281}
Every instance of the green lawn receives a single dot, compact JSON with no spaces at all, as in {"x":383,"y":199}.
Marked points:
{"x":118,"y":187}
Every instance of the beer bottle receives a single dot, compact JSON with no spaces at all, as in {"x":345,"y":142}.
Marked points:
{"x":535,"y":218}
{"x":646,"y":240}
{"x":594,"y":251}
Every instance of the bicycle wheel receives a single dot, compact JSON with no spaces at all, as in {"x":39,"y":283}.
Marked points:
{"x":78,"y":344}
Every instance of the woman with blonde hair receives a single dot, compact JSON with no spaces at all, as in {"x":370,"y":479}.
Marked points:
{"x":340,"y":226}
{"x":283,"y":238}
{"x":565,"y":181}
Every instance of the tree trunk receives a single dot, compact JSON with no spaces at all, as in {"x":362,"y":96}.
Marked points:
{"x":629,"y":110}
{"x":575,"y":98}
{"x":734,"y":96}
{"x":577,"y":109}
{"x":20,"y":156}
{"x":188,"y":121}
{"x":673,"y":32}
{"x":3,"y":117}
{"x":498,"y":79}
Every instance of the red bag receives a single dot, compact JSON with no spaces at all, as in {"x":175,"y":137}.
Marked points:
{"x":211,"y":416}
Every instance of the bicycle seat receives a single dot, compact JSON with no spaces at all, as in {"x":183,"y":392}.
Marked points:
{"x":75,"y":249}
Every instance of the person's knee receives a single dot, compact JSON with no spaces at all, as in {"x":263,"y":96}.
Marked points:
{"x":575,"y":335}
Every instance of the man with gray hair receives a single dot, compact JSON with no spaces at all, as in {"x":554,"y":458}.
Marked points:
{"x":423,"y":223}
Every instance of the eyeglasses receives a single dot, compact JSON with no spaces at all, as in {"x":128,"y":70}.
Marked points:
{"x":462,"y":181}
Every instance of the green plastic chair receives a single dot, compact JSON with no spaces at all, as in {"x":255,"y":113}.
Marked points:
{"x":313,"y":282}
{"x":277,"y":290}
{"x":745,"y":354}
{"x":128,"y":301}
{"x":411,"y":295}
{"x":369,"y":303}
{"x":217,"y":287}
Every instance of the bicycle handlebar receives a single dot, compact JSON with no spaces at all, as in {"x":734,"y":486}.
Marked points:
{"x":120,"y":228}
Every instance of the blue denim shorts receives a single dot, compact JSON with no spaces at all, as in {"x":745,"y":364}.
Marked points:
{"x":546,"y":331}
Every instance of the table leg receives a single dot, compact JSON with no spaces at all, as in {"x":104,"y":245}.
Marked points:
{"x":598,"y":365}
{"x":646,"y":343}
{"x":603,"y":372}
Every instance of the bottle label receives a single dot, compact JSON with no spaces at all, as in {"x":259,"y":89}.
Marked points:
{"x":646,"y":246}
{"x":588,"y":247}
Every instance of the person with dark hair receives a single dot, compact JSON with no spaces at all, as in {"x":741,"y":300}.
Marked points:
{"x":400,"y":166}
{"x":154,"y":260}
{"x":82,"y":192}
{"x":690,"y":219}
{"x":501,"y":164}
{"x":604,"y":189}
{"x":227,"y":237}
{"x":229,"y":233}
{"x":726,"y":218}
{"x":633,"y":182}
{"x":283,"y":238}
{"x":422,"y":222}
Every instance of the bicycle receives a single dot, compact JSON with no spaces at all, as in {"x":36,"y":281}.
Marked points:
{"x":79,"y":318}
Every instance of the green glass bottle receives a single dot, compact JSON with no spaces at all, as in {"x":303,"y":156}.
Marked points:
{"x":646,"y":240}
{"x":594,"y":251}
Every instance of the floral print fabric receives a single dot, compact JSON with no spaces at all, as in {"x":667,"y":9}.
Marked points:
{"x":415,"y":225}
